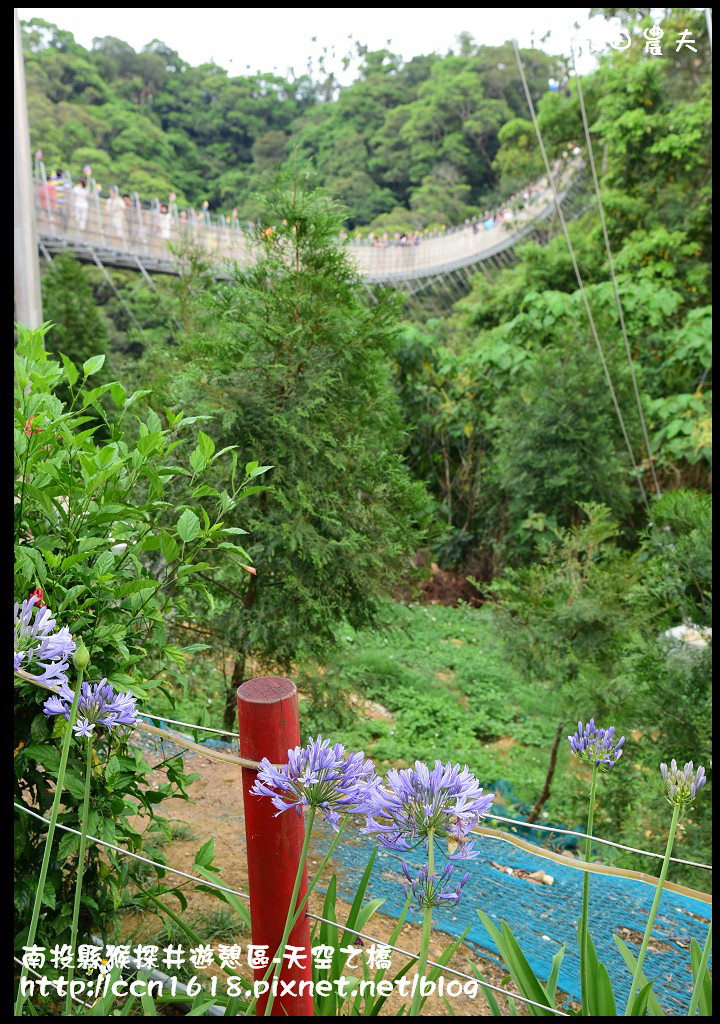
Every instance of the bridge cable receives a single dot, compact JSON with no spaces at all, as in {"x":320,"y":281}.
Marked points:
{"x":581,"y":286}
{"x":613,"y":278}
{"x":119,"y":297}
{"x":157,"y":291}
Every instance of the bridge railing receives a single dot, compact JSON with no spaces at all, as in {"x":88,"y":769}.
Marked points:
{"x":80,"y":218}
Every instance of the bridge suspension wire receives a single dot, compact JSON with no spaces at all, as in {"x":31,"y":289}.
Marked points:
{"x":586,"y":304}
{"x":613,"y":278}
{"x":119,"y":297}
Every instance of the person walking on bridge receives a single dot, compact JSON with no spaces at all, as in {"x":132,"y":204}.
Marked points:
{"x":116,"y":210}
{"x":47,"y":199}
{"x":81,"y":203}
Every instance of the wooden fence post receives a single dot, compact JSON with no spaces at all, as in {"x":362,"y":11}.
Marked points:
{"x":269,"y":726}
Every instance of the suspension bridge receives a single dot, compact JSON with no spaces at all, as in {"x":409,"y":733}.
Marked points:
{"x":151,"y":237}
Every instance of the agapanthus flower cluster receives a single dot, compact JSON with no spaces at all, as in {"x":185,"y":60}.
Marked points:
{"x":321,"y":776}
{"x":682,"y":785}
{"x":434,"y":890}
{"x":98,"y":705}
{"x":596,"y":747}
{"x":447,"y":802}
{"x":41,"y":649}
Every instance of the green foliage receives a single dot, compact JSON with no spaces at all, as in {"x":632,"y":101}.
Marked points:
{"x":678,"y":546}
{"x":587,"y":622}
{"x":79,"y":327}
{"x":559,"y":407}
{"x":290,"y":360}
{"x":115,"y":559}
{"x":420,"y":136}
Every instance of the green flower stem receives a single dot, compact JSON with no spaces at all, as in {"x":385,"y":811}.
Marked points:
{"x":653,"y":909}
{"x":425,"y":941}
{"x":80,"y":869}
{"x":586,"y":897}
{"x":309,"y":821}
{"x":20,"y":1001}
{"x":289,"y":922}
{"x":318,"y":873}
{"x":699,"y":980}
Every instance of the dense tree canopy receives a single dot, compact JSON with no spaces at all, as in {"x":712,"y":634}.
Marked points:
{"x":403,"y":135}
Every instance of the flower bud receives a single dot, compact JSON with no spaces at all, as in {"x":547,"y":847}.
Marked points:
{"x":682,"y":785}
{"x":81,"y":657}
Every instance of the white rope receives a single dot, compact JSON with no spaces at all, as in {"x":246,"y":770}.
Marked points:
{"x":183,"y":741}
{"x":135,"y":856}
{"x":314,"y":917}
{"x":611,"y":264}
{"x":434,"y":963}
{"x":188,"y":725}
{"x":595,"y":839}
{"x":581,"y":286}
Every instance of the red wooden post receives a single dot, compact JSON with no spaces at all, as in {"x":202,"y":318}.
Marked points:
{"x":270,"y":726}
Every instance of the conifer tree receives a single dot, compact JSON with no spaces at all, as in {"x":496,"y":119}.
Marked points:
{"x":293,"y":362}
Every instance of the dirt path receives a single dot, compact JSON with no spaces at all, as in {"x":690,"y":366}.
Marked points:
{"x":216,"y":810}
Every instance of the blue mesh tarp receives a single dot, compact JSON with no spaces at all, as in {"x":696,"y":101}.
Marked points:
{"x":542,"y":917}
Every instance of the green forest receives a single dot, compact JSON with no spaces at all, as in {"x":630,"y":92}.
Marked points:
{"x":464,"y":449}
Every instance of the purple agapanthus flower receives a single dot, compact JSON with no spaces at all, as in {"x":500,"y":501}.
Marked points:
{"x":682,"y":785}
{"x":446,"y":801}
{"x":98,"y":705}
{"x":41,"y":649}
{"x":596,"y":747}
{"x":433,"y":890}
{"x":321,"y":776}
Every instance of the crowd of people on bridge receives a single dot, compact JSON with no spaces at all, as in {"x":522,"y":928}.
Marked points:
{"x":126,"y":218}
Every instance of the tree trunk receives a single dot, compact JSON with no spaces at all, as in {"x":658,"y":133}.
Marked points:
{"x":230,"y":714}
{"x":238,"y":676}
{"x":549,"y":777}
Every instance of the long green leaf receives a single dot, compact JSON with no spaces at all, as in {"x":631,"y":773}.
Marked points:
{"x":654,"y":1006}
{"x":557,"y":960}
{"x":640,"y":1002}
{"x":705,"y":1001}
{"x":524,"y":975}
{"x":604,"y":994}
{"x":487,"y":992}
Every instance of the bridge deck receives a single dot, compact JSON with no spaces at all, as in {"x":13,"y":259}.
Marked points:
{"x":135,"y":237}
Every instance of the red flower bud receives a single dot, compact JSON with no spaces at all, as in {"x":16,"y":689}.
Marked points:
{"x":250,"y":569}
{"x":39,"y":597}
{"x":30,"y":429}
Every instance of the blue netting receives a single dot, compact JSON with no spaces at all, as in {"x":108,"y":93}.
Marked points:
{"x":542,"y":917}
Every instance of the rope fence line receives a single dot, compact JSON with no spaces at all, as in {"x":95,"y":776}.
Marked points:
{"x":188,"y":725}
{"x":130,"y":853}
{"x":244,"y":762}
{"x":595,"y":839}
{"x":314,"y":917}
{"x":169,"y":734}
